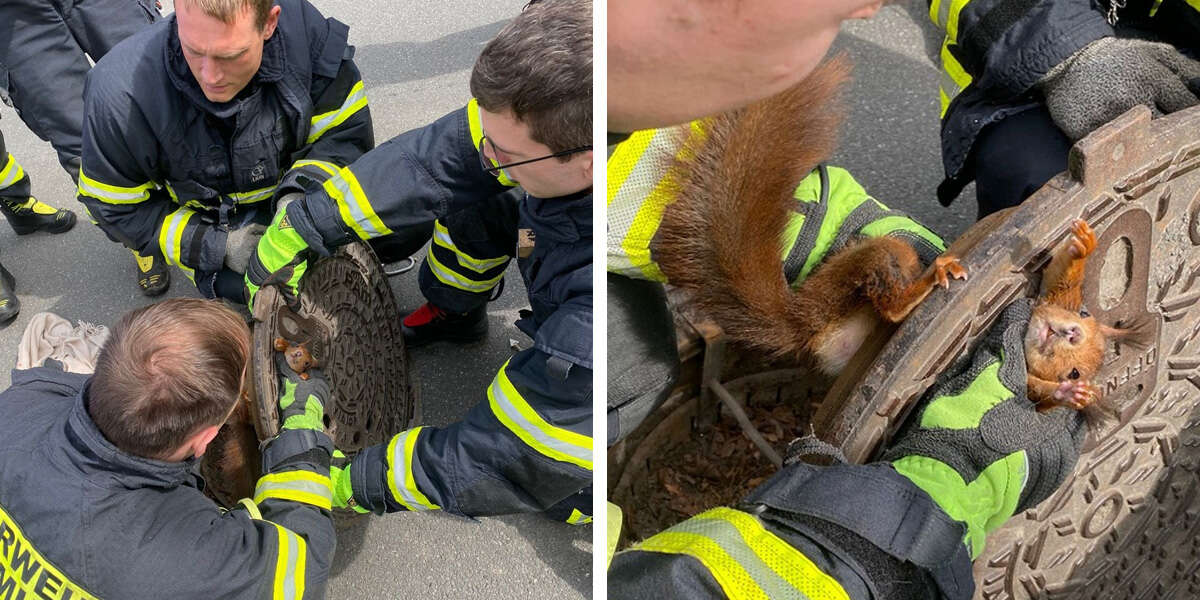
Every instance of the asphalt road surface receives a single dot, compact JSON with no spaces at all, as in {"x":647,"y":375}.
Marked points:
{"x":415,"y":59}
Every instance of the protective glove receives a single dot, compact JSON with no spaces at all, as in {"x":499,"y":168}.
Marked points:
{"x":301,"y":401}
{"x":240,"y":244}
{"x":339,"y":479}
{"x":280,"y":259}
{"x":977,"y":445}
{"x":1111,"y":75}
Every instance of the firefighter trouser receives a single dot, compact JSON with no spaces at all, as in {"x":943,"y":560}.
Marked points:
{"x":642,"y":374}
{"x":44,"y":50}
{"x":14,"y":182}
{"x":1015,"y":156}
{"x":469,"y":253}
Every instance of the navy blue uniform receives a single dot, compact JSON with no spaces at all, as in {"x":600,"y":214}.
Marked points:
{"x":528,"y":447}
{"x":166,"y":171}
{"x":81,"y":519}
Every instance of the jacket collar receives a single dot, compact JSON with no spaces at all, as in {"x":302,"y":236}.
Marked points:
{"x":564,"y":220}
{"x":93,"y":453}
{"x":274,"y":64}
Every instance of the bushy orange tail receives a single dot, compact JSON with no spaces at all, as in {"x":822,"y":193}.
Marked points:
{"x":721,"y":238}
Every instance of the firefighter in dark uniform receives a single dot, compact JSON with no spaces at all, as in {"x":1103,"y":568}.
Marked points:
{"x":197,"y":127}
{"x":44,"y":51}
{"x":528,"y":446}
{"x":98,"y":492}
{"x":1021,"y":83}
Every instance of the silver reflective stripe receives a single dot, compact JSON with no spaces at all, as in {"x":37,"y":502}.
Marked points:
{"x":944,"y":13}
{"x":351,"y":202}
{"x":400,"y":472}
{"x":254,"y":196}
{"x":454,"y":279}
{"x":299,"y":485}
{"x":725,"y":535}
{"x":171,"y":248}
{"x":511,"y":411}
{"x":465,"y":260}
{"x":12,"y":172}
{"x":326,"y":122}
{"x":289,"y":577}
{"x":646,"y":174}
{"x":949,"y":86}
{"x":119,"y":197}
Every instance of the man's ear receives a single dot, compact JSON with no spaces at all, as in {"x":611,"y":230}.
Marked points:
{"x":588,"y":163}
{"x":198,"y":443}
{"x":867,"y":11}
{"x":272,"y":21}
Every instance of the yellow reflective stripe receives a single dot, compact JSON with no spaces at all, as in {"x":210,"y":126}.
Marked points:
{"x":640,"y":186}
{"x":253,"y":196}
{"x":25,"y":573}
{"x":745,"y":559}
{"x":475,"y":125}
{"x":518,"y":416}
{"x":354,"y":206}
{"x":289,"y":565}
{"x":11,"y":173}
{"x":1194,"y":4}
{"x":441,"y":237}
{"x":578,"y":518}
{"x":355,"y":101}
{"x":170,"y":235}
{"x":955,"y":9}
{"x":113,"y":194}
{"x":456,"y":280}
{"x":328,"y":167}
{"x":403,"y":462}
{"x":250,"y":507}
{"x":625,"y":157}
{"x":954,"y":77}
{"x":299,"y":486}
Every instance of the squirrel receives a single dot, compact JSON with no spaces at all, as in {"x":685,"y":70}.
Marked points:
{"x":297,"y":356}
{"x":720,"y":238}
{"x":1065,"y":345}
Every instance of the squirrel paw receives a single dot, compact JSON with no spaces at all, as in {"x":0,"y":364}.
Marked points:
{"x":1083,"y":239}
{"x":1077,"y":394}
{"x":947,"y":266}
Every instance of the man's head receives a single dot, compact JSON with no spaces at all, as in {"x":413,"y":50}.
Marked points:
{"x":534,"y":86}
{"x":672,"y":61}
{"x":223,"y":41}
{"x":168,"y":377}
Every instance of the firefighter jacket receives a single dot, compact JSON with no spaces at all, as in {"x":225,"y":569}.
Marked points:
{"x":81,"y":519}
{"x":995,"y":51}
{"x":167,"y":171}
{"x":831,"y":209}
{"x":529,"y":445}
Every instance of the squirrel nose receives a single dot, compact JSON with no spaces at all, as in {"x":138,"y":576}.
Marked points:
{"x":1074,"y":334}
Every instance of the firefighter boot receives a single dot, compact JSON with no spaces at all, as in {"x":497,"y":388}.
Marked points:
{"x":431,"y":324}
{"x":153,"y":276}
{"x":29,"y":215}
{"x":9,"y":305}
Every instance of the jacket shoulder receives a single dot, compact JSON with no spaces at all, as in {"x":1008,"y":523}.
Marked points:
{"x":326,"y":39}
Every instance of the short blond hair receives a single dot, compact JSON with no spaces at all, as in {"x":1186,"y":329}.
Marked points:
{"x":228,"y":10}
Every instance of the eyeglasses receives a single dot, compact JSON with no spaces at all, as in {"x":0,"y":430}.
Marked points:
{"x":495,"y":169}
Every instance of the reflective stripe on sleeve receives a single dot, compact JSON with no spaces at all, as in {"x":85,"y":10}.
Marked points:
{"x":745,"y":559}
{"x":475,"y":124}
{"x":354,"y":206}
{"x":328,"y":167}
{"x":298,"y":486}
{"x":289,"y":565}
{"x":954,"y":78}
{"x":355,"y":101}
{"x":253,"y":196}
{"x":401,"y":464}
{"x":170,"y":236}
{"x":518,"y":416}
{"x":113,"y":194}
{"x":11,"y":173}
{"x":441,"y":237}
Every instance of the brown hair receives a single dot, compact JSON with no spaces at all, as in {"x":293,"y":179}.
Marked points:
{"x":539,"y":67}
{"x":167,"y":371}
{"x":227,"y":10}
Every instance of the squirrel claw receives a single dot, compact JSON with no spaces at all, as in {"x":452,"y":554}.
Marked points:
{"x":947,"y":266}
{"x":1083,"y":239}
{"x":1077,"y":394}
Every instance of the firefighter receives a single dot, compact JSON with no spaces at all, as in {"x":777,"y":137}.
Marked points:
{"x":1010,"y":115}
{"x":976,"y":451}
{"x":98,"y":492}
{"x":528,"y":446}
{"x":198,"y":126}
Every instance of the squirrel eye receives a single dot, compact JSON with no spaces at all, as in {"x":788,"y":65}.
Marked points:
{"x":1074,"y":374}
{"x":1083,"y":312}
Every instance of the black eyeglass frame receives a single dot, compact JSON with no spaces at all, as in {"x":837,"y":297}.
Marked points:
{"x":494,"y":170}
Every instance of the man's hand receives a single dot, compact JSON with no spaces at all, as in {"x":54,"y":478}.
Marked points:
{"x":1111,"y":75}
{"x":301,"y":401}
{"x":977,"y":445}
{"x":240,"y":244}
{"x":280,"y":259}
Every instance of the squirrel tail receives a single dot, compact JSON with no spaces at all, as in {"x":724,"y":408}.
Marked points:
{"x":721,"y":237}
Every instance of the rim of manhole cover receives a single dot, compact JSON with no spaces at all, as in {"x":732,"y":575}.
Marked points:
{"x":1124,"y":523}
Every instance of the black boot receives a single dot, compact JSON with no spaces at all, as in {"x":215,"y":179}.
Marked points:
{"x":9,"y":305}
{"x":431,"y":324}
{"x":153,"y":276}
{"x":29,"y":215}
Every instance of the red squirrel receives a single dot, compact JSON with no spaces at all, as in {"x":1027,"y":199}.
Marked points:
{"x":1064,"y":345}
{"x":720,"y":237}
{"x":297,"y":356}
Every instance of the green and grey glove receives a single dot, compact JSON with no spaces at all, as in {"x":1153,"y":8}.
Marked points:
{"x":976,"y":444}
{"x":301,"y":401}
{"x":240,"y":244}
{"x":280,"y":259}
{"x":1112,"y":75}
{"x":339,"y":478}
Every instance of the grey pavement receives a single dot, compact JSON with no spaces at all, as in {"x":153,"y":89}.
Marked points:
{"x":415,"y":59}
